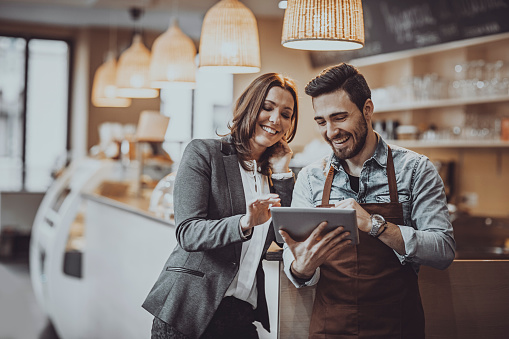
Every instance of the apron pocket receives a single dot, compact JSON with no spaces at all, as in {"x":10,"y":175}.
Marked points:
{"x":380,"y":321}
{"x":340,"y":320}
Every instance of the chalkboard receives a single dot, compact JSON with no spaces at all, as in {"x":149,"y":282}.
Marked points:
{"x":396,"y":25}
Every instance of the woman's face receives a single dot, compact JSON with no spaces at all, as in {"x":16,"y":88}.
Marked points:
{"x":274,"y":120}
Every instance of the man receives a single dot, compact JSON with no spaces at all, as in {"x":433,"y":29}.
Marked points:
{"x":369,"y":290}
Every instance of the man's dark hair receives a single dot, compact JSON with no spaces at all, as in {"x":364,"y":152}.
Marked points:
{"x":344,"y":77}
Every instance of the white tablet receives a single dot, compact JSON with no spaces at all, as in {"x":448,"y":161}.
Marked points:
{"x":299,"y":222}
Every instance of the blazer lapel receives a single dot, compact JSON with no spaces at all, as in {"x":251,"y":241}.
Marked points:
{"x":234,"y":183}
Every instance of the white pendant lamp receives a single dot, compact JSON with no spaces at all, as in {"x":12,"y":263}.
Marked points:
{"x":133,"y":80}
{"x":173,"y":59}
{"x":229,"y":39}
{"x":104,"y":89}
{"x":323,"y":25}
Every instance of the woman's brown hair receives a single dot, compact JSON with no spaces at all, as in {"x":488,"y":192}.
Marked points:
{"x":246,"y":111}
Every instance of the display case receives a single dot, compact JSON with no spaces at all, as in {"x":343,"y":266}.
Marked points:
{"x":56,"y":242}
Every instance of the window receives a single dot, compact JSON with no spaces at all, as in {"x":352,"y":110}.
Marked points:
{"x":34,"y":111}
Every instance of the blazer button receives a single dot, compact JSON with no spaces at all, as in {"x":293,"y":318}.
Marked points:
{"x":234,"y":263}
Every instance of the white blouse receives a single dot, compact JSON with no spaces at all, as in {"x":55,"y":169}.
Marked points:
{"x":243,"y":286}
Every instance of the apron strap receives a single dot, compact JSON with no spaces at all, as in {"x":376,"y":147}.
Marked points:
{"x":391,"y":175}
{"x":327,"y":188}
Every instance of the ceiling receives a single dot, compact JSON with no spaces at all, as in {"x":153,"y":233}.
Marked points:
{"x":157,"y":13}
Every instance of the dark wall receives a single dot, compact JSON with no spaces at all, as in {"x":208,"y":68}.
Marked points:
{"x":396,"y":25}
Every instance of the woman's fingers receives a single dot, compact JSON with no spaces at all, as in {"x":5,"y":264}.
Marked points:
{"x":270,"y":199}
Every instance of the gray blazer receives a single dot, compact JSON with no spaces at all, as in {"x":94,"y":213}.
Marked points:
{"x":209,"y":202}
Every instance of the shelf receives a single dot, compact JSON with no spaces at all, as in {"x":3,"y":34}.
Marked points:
{"x":407,"y":106}
{"x":450,"y":143}
{"x":400,"y":55}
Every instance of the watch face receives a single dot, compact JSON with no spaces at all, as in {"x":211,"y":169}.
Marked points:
{"x":377,"y":218}
{"x":377,"y":221}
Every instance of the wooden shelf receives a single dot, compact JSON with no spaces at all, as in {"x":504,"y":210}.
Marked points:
{"x":408,"y":106}
{"x":450,"y":143}
{"x":395,"y":56}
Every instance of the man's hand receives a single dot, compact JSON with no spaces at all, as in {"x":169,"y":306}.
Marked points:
{"x":312,"y":252}
{"x":391,"y":237}
{"x":363,"y":217}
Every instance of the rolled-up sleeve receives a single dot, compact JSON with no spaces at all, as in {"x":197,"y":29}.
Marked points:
{"x":288,"y":258}
{"x":429,"y":240}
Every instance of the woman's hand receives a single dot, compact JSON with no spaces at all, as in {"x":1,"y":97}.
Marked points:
{"x":281,"y":156}
{"x":258,"y":211}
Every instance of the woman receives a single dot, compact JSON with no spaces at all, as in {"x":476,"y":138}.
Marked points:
{"x":212,"y":285}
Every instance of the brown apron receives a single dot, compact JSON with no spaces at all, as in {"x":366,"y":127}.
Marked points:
{"x":364,"y":291}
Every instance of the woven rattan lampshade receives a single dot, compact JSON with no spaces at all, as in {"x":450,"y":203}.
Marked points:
{"x":323,"y":25}
{"x":229,"y":39}
{"x":133,"y":72}
{"x":104,"y":89}
{"x":173,"y":59}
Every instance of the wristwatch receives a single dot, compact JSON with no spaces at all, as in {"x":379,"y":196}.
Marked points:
{"x":377,"y":221}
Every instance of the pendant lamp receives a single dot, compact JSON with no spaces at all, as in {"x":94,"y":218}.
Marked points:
{"x":229,"y":39}
{"x":323,"y":25}
{"x":104,"y":89}
{"x":133,"y":78}
{"x":173,"y":59}
{"x":133,"y":71}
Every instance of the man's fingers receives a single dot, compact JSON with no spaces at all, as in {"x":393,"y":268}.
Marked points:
{"x":317,"y":232}
{"x":340,"y":240}
{"x":287,"y":238}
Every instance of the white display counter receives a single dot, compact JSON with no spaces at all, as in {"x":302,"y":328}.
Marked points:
{"x":122,"y":251}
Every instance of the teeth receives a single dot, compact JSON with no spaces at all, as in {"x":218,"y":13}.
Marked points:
{"x":269,"y":130}
{"x":340,"y":141}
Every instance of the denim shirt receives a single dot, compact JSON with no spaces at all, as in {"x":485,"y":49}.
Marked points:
{"x":427,"y":231}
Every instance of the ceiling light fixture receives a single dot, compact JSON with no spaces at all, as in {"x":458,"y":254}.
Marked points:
{"x":173,"y":59}
{"x":323,"y":25}
{"x":133,"y":78}
{"x":229,"y":39}
{"x":104,"y":88}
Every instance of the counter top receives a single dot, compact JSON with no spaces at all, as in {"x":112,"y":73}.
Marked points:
{"x":129,"y":203}
{"x":477,"y":238}
{"x":140,"y":206}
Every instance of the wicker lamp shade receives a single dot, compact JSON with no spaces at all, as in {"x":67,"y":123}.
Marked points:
{"x":133,"y":72}
{"x":173,"y":59}
{"x":229,"y":39}
{"x":323,"y":25}
{"x":104,"y":89}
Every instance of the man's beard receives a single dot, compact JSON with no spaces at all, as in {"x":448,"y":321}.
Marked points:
{"x":359,"y":137}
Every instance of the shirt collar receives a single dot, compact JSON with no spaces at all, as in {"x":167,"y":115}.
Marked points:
{"x":380,"y":155}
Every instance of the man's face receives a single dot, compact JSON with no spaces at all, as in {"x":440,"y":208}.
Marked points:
{"x":341,"y":123}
